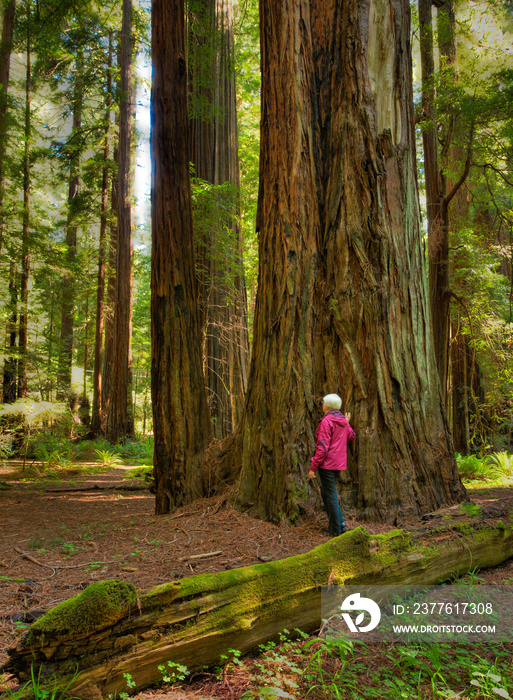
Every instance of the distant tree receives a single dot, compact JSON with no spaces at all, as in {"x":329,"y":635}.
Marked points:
{"x":5,"y":65}
{"x":120,"y":419}
{"x":217,"y":230}
{"x":25,"y":249}
{"x":68,"y":283}
{"x":96,"y":418}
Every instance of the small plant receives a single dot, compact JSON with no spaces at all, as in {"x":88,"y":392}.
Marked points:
{"x":44,"y":692}
{"x":490,"y":684}
{"x":108,"y":459}
{"x":472,"y":468}
{"x":503,"y":464}
{"x":36,"y":542}
{"x":130,"y":684}
{"x":51,"y":460}
{"x":173,"y":672}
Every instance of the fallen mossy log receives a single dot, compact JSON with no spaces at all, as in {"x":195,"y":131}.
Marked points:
{"x":110,"y":629}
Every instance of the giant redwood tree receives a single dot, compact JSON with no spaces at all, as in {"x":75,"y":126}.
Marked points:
{"x":342,"y":300}
{"x":180,"y":413}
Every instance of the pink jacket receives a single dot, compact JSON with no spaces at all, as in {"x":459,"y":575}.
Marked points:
{"x":331,"y":442}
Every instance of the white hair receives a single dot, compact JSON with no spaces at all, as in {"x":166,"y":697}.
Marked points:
{"x":333,"y":402}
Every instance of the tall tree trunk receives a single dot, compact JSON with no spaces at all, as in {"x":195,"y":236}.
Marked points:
{"x":180,"y":412}
{"x":5,"y":64}
{"x":96,"y":418}
{"x":10,"y":373}
{"x":9,"y":369}
{"x":120,"y":420}
{"x":439,"y":191}
{"x":108,"y":357}
{"x":68,"y":283}
{"x":460,"y":367}
{"x":342,"y":299}
{"x":437,"y":214}
{"x":215,"y":158}
{"x":25,"y":254}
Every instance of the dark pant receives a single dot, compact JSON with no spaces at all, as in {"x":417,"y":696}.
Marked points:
{"x":329,"y":495}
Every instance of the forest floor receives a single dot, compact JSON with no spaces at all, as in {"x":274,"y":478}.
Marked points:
{"x":62,"y":532}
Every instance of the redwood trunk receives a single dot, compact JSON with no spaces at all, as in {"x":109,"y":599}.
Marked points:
{"x":180,"y":412}
{"x":342,"y":300}
{"x":120,"y":420}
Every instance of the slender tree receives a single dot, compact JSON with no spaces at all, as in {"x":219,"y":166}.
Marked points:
{"x":10,"y":373}
{"x":110,"y":302}
{"x":68,"y":282}
{"x":440,"y":191}
{"x":120,"y":420}
{"x":25,"y":250}
{"x":5,"y":65}
{"x":10,"y":368}
{"x":96,"y":421}
{"x":180,"y":412}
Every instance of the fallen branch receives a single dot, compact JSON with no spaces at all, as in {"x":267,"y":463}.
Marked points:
{"x":110,"y":629}
{"x":205,"y":555}
{"x":93,"y":489}
{"x":54,"y":567}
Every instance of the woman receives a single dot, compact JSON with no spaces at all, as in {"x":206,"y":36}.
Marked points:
{"x":330,"y":458}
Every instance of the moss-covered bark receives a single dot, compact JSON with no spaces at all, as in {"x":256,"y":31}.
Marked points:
{"x":195,"y":620}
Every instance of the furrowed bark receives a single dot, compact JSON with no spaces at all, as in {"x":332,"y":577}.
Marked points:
{"x":342,"y":303}
{"x":180,"y":412}
{"x":110,"y":629}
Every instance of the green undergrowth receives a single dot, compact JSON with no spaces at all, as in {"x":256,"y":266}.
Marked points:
{"x":492,"y":469}
{"x":299,"y":666}
{"x":56,"y":460}
{"x":336,"y":668}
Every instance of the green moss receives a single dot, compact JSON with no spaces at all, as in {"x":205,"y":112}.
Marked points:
{"x":99,"y":606}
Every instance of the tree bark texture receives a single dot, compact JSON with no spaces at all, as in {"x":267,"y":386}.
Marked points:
{"x":215,"y":158}
{"x":110,"y":629}
{"x":120,"y":419}
{"x":180,"y":411}
{"x":342,"y":301}
{"x":96,"y":417}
